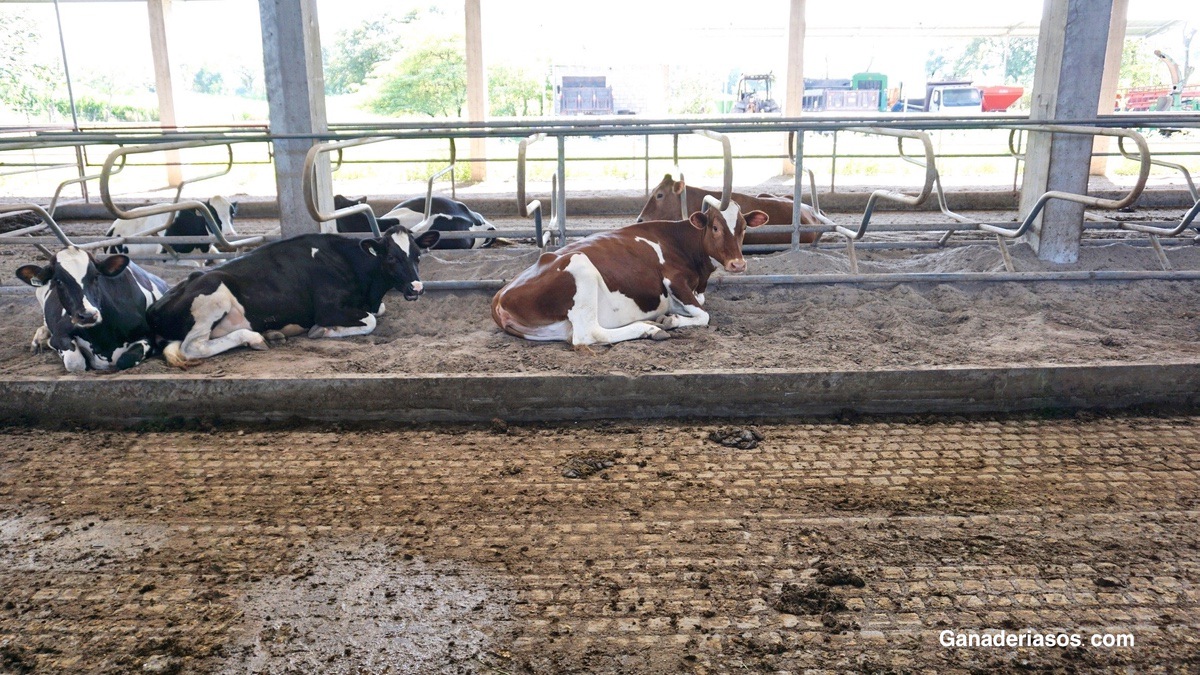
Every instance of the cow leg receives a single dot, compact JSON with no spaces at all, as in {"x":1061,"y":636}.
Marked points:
{"x":684,"y":309}
{"x":74,"y":359}
{"x":131,"y":354}
{"x":290,"y":330}
{"x":220,"y":324}
{"x":584,"y":313}
{"x":365,"y":326}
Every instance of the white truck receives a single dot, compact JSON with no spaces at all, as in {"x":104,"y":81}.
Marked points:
{"x":950,"y":97}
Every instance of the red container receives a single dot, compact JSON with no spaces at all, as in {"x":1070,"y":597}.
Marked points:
{"x":997,"y":99}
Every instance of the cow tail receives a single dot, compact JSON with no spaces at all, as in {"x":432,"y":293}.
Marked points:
{"x":173,"y":353}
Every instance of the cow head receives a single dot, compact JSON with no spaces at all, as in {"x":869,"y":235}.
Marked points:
{"x":72,"y":276}
{"x":664,"y":201}
{"x":399,"y":253}
{"x":723,"y":231}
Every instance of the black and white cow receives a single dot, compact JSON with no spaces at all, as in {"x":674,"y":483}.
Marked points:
{"x":94,"y":313}
{"x":445,"y":215}
{"x":326,"y":284}
{"x":187,"y":223}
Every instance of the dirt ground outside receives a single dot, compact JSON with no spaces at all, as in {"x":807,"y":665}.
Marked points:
{"x":691,"y":547}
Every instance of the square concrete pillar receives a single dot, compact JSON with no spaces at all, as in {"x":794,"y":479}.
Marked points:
{"x":1070,"y":66}
{"x":477,"y":89}
{"x":295,"y":83}
{"x":793,"y":103}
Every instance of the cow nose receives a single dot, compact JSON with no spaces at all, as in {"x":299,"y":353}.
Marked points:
{"x":736,"y":266}
{"x":86,"y":317}
{"x":418,"y":287}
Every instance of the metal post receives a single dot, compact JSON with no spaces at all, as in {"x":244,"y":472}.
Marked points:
{"x":562,"y":190}
{"x":796,"y":189}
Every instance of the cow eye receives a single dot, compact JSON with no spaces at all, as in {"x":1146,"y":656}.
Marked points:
{"x":659,"y":196}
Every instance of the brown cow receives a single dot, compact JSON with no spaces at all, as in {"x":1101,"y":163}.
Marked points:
{"x":664,"y":205}
{"x":626,"y":284}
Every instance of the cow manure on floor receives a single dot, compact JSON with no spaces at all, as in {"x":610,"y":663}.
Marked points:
{"x":744,"y":439}
{"x":582,"y":466}
{"x":835,"y":575}
{"x":807,"y":599}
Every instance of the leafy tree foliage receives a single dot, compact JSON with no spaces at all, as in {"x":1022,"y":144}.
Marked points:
{"x":357,"y":51}
{"x":208,"y":81}
{"x":513,"y":92}
{"x":1009,"y":60}
{"x":25,"y":85}
{"x":431,"y":80}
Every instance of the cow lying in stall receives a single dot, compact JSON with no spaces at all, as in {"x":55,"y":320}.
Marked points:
{"x":94,"y":313}
{"x":323,"y":284}
{"x":635,"y":282}
{"x":445,"y":215}
{"x":664,"y":205}
{"x":187,"y":223}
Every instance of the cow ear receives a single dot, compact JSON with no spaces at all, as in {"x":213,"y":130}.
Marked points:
{"x":699,"y":220}
{"x":34,"y":275}
{"x":372,"y":246}
{"x":113,"y":265}
{"x":756,"y":218}
{"x":428,"y":239}
{"x":677,"y":187}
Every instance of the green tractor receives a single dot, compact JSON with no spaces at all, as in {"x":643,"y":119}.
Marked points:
{"x":754,"y":95}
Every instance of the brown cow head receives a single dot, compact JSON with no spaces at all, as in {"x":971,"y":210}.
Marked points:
{"x":722,"y":240}
{"x":664,"y":201}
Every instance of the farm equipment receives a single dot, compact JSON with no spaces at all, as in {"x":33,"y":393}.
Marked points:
{"x":960,"y":97}
{"x":864,"y":91}
{"x":754,"y":94}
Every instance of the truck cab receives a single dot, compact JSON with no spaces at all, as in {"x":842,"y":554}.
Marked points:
{"x":954,"y":99}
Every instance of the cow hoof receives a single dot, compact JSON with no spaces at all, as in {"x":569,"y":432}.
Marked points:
{"x":274,"y":336}
{"x":257,"y":342}
{"x":658,"y":335}
{"x":317,"y":332}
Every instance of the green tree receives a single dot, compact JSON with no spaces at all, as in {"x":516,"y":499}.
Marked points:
{"x":1011,"y":60}
{"x":431,"y":80}
{"x":25,"y":85}
{"x":208,"y":82}
{"x":357,"y":51}
{"x":512,"y":92}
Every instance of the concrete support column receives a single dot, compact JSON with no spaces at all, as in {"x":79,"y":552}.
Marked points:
{"x":164,"y":84}
{"x":793,"y":104}
{"x":295,"y":83}
{"x":1112,"y":74}
{"x":477,"y":91}
{"x":1066,"y":85}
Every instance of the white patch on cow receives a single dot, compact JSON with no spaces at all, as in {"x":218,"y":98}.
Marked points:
{"x":41,"y":293}
{"x":599,"y":315}
{"x":75,"y":263}
{"x":224,"y":209}
{"x":408,"y":218}
{"x":151,"y":294}
{"x":219,"y":325}
{"x":139,"y":227}
{"x":74,"y":359}
{"x":730,"y":215}
{"x":680,"y":314}
{"x":700,"y":299}
{"x":367,"y":327}
{"x":381,"y":310}
{"x":418,"y":287}
{"x":401,"y":240}
{"x":314,"y":252}
{"x":654,"y":245}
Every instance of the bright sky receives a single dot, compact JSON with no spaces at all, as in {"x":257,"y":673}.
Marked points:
{"x":113,"y":37}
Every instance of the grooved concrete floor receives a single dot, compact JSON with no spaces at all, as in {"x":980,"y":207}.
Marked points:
{"x":829,"y":547}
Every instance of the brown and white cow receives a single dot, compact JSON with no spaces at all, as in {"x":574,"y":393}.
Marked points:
{"x":664,"y":205}
{"x":635,"y":282}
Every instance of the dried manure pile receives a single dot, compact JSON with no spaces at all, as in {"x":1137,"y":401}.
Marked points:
{"x":777,"y":349}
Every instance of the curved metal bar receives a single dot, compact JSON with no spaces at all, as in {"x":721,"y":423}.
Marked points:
{"x":308,"y":185}
{"x":522,"y":205}
{"x":215,"y":174}
{"x":71,"y":181}
{"x":153,"y":209}
{"x":727,"y":167}
{"x":1087,"y":200}
{"x":911,"y":200}
{"x":1187,"y":176}
{"x":47,"y":222}
{"x":1166,"y":231}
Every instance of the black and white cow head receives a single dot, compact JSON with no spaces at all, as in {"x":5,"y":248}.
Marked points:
{"x":399,"y":253}
{"x":72,"y":276}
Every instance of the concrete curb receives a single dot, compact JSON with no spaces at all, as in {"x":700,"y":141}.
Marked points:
{"x":121,"y":401}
